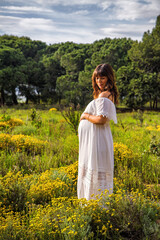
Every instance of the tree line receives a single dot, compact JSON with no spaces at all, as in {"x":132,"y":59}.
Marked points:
{"x":61,"y":72}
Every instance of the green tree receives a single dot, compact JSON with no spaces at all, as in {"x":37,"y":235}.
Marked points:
{"x":145,"y":57}
{"x":73,"y":62}
{"x":52,"y":70}
{"x":10,"y":62}
{"x":67,"y":89}
{"x":33,"y":83}
{"x":114,"y":52}
{"x":85,"y":87}
{"x":28,"y":47}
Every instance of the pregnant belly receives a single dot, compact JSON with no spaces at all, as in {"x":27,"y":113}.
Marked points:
{"x":85,"y":136}
{"x":84,"y":127}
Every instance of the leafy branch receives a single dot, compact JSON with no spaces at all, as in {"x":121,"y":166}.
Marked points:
{"x":72,"y":117}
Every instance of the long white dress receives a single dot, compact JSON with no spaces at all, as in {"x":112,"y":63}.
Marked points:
{"x":96,"y":158}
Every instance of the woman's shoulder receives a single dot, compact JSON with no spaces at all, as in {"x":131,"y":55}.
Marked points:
{"x":106,"y":94}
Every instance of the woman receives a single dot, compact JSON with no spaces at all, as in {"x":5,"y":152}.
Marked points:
{"x":96,"y":162}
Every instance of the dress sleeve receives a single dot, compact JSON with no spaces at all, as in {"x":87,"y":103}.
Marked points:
{"x":106,"y":108}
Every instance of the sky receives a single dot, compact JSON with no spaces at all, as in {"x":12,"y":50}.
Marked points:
{"x":78,"y":21}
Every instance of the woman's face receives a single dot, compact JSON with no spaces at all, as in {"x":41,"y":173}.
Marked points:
{"x":101,"y":82}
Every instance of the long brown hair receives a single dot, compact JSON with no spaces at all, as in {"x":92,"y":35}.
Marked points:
{"x":107,"y":71}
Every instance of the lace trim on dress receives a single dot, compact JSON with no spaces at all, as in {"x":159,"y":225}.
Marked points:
{"x":96,"y":179}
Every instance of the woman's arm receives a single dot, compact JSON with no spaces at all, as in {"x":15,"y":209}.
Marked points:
{"x":93,"y":118}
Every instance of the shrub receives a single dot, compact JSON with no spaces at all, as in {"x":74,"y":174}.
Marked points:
{"x":35,"y":118}
{"x":122,"y":155}
{"x":121,"y":215}
{"x":52,"y":109}
{"x":155,"y":146}
{"x":25,"y":130}
{"x":21,"y":143}
{"x":118,"y":216}
{"x":14,"y":189}
{"x":12,"y":225}
{"x":8,"y":122}
{"x":72,"y":118}
{"x":15,"y":122}
{"x":138,"y":115}
{"x":3,"y":125}
{"x":152,"y":128}
{"x":53,"y":184}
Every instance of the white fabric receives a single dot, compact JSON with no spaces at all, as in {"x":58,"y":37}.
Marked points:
{"x":96,"y":161}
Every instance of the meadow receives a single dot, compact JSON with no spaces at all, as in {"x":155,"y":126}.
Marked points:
{"x":38,"y":179}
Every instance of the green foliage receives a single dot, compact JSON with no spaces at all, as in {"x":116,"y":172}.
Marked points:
{"x":35,"y":118}
{"x":33,"y":114}
{"x":113,"y":52}
{"x":5,"y":118}
{"x":73,"y":62}
{"x":145,"y":60}
{"x":38,"y":198}
{"x":155,"y":146}
{"x":25,"y":130}
{"x":85,"y":86}
{"x":10,"y":68}
{"x":53,"y":70}
{"x":33,"y":72}
{"x":138,"y":115}
{"x":66,"y":152}
{"x":67,"y":89}
{"x":15,"y":192}
{"x":72,"y":118}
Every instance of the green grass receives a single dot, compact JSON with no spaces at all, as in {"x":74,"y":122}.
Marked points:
{"x":30,"y":201}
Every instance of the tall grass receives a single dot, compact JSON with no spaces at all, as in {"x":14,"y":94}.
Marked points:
{"x":38,"y":189}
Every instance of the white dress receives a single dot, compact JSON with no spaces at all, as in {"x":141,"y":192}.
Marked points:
{"x":96,"y":160}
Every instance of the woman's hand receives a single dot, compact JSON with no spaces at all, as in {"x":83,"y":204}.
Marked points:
{"x":84,"y":116}
{"x":94,"y":119}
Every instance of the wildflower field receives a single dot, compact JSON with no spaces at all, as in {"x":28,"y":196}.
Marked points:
{"x":38,"y":179}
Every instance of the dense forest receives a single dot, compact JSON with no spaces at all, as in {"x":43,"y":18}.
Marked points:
{"x":61,"y":73}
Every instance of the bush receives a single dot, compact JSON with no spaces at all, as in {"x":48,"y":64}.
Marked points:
{"x":50,"y":184}
{"x":35,"y":118}
{"x":8,"y":122}
{"x":25,"y":130}
{"x":155,"y":146}
{"x":21,"y":143}
{"x":123,"y":156}
{"x":50,"y":210}
{"x":118,"y":216}
{"x":14,"y":189}
{"x":72,"y":118}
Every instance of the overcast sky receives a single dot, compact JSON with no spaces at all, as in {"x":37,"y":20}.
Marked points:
{"x":79,"y":21}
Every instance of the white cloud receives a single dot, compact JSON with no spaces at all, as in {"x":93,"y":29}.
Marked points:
{"x":37,"y":24}
{"x":106,"y":4}
{"x":126,"y":30}
{"x":56,"y":2}
{"x":68,"y":3}
{"x":25,"y":26}
{"x":45,"y":30}
{"x":23,"y":9}
{"x":131,"y":8}
{"x":134,"y":9}
{"x":114,"y":10}
{"x":81,"y":12}
{"x":43,"y":20}
{"x":152,"y":21}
